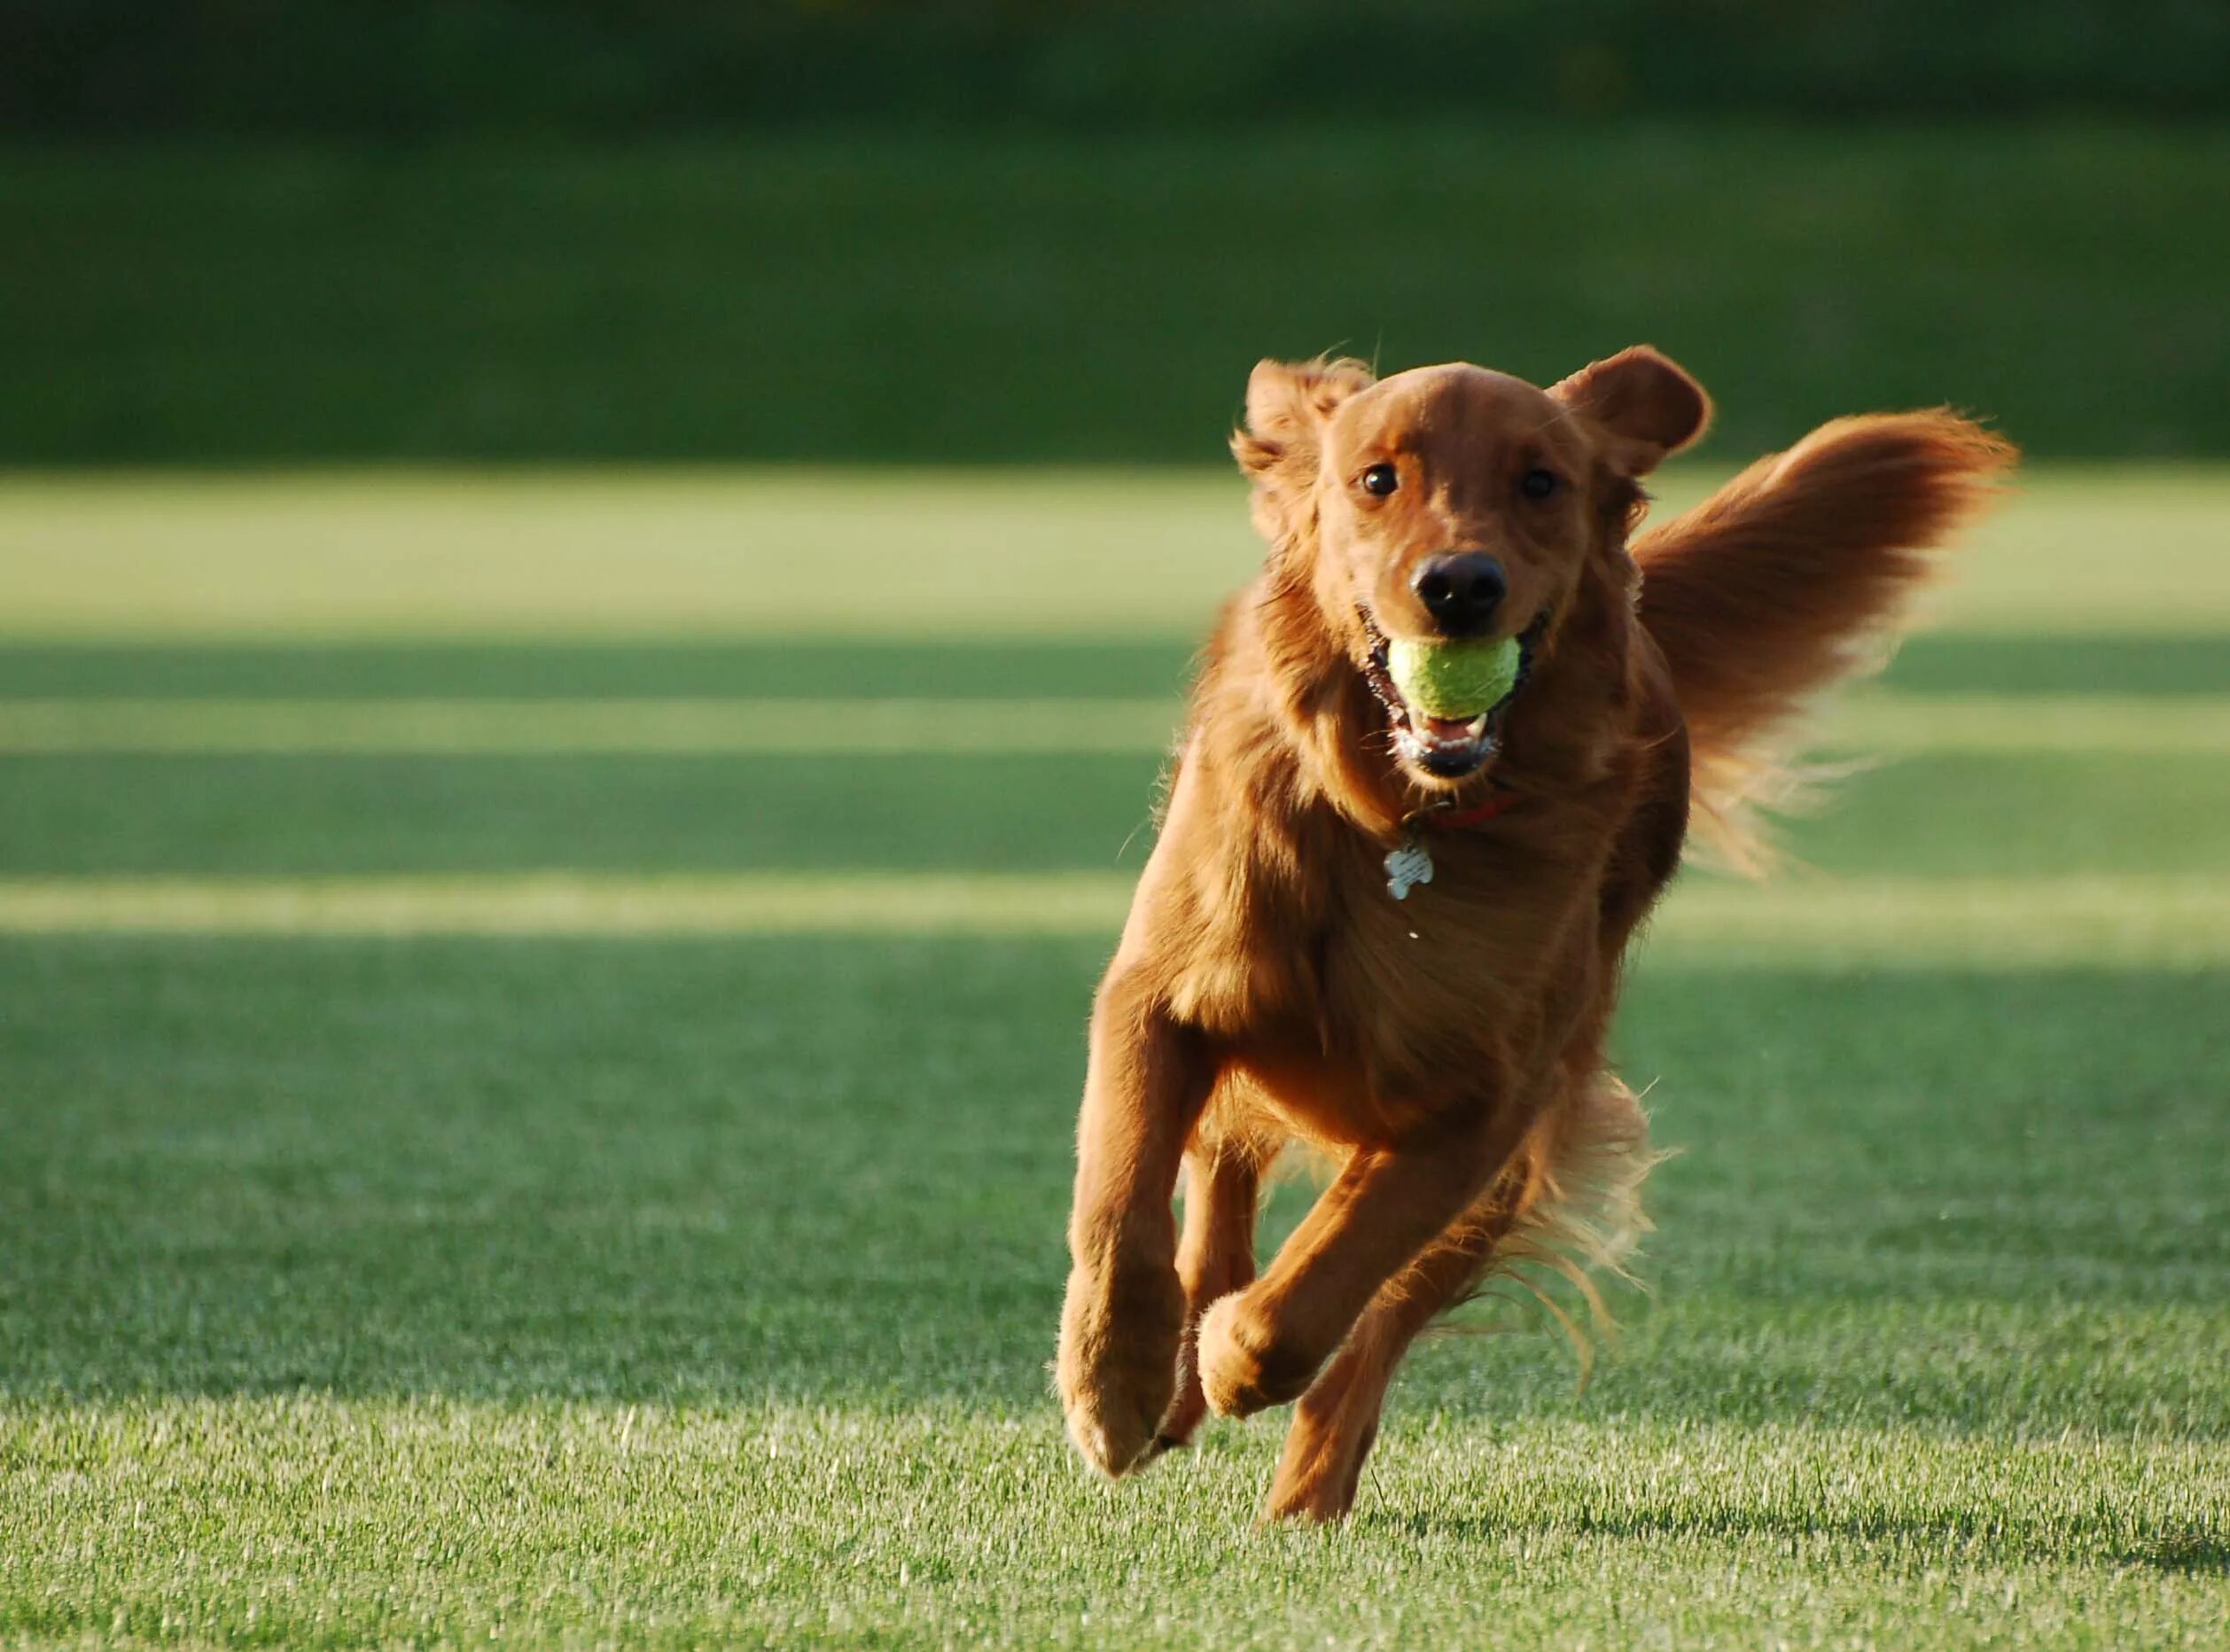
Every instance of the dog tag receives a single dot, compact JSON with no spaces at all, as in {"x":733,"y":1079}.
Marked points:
{"x":1407,"y":866}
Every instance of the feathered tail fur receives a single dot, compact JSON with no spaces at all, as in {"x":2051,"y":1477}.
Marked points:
{"x":1793,"y":576}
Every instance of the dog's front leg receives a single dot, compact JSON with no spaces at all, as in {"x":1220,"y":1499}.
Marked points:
{"x":1125,"y":1310}
{"x":1263,"y":1345}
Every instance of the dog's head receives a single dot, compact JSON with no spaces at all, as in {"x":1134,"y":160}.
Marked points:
{"x":1453,"y":503}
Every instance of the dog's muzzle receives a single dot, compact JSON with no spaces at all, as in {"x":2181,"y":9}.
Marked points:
{"x":1447,"y":748}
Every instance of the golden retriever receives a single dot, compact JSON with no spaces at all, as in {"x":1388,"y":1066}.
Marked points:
{"x":1287,"y":972}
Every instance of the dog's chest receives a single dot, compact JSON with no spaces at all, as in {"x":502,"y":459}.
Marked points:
{"x":1378,"y":1014}
{"x":1451,"y":926}
{"x":1439,"y":969}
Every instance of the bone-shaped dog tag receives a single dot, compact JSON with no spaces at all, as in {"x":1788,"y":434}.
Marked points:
{"x":1405,"y":867}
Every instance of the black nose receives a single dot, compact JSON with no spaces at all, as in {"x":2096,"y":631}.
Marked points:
{"x":1461,"y":591}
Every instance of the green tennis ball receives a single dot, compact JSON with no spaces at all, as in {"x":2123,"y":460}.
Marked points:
{"x":1454,"y":678}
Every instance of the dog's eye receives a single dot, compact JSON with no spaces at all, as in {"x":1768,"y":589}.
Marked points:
{"x":1380,"y":480}
{"x":1537,"y":483}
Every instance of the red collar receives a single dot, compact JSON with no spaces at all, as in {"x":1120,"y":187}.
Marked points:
{"x":1480,"y":814}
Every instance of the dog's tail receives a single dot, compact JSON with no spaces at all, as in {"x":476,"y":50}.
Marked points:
{"x":1793,"y":576}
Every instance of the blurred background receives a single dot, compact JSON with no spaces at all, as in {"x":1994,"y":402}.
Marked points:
{"x":592,"y":596}
{"x":245,"y":232}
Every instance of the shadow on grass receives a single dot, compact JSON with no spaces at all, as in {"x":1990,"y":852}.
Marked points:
{"x":2198,"y":1553}
{"x":2168,"y":1547}
{"x":837,"y":1171}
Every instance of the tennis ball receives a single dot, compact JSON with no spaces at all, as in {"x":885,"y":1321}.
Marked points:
{"x":1454,"y":678}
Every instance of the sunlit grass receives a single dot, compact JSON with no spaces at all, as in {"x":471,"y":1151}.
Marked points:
{"x":1881,"y":923}
{"x":924,"y":1525}
{"x":879,"y":554}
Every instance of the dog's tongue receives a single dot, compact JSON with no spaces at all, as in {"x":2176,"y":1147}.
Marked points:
{"x":1449,"y":727}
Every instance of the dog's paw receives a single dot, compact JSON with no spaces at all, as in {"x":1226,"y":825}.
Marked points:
{"x":1245,"y":1365}
{"x":1323,"y":1500}
{"x":1117,"y":1372}
{"x":1321,"y":1471}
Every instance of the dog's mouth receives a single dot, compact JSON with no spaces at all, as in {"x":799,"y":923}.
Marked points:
{"x":1447,"y":748}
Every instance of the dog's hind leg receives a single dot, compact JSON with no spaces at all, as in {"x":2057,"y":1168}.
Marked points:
{"x":1336,"y":1422}
{"x":1571,"y":1199}
{"x":1264,"y":1346}
{"x":1223,"y":1183}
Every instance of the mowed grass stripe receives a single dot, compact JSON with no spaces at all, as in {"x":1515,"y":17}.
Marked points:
{"x":2102,"y":920}
{"x":866,"y":903}
{"x":2014,"y":724}
{"x":810,"y":667}
{"x":767,"y":726}
{"x":1880,"y":721}
{"x":963,"y":556}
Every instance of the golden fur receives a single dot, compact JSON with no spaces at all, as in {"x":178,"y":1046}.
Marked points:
{"x":1447,"y":1050}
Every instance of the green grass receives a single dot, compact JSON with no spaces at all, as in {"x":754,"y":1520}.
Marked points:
{"x":2169,"y":663}
{"x":561,"y":1320}
{"x":447,"y":1284}
{"x":1962,"y":814}
{"x":1129,"y":565}
{"x":934,"y":298}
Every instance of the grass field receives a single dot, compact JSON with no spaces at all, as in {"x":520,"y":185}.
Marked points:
{"x":507,"y":1132}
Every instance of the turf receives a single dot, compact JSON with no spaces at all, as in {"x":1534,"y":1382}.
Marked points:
{"x":447,"y":1284}
{"x":554,"y":1323}
{"x":1964,"y":814}
{"x":969,"y":560}
{"x":2155,"y":661}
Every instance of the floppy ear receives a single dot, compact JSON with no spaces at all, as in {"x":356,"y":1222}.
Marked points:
{"x":1644,"y":402}
{"x":1287,"y":405}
